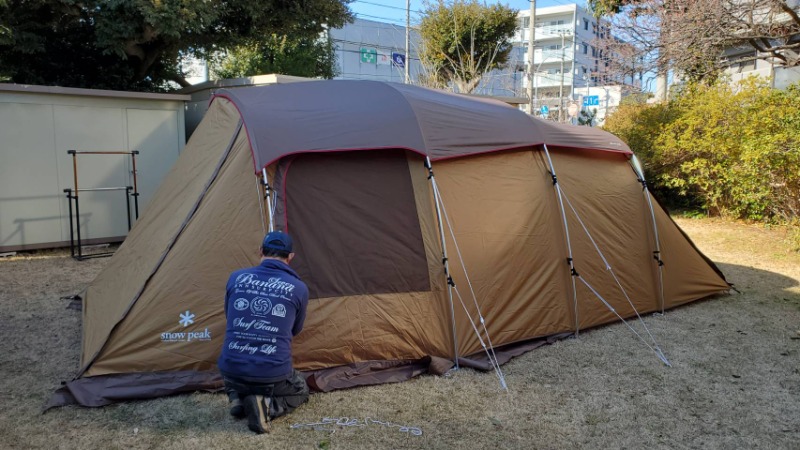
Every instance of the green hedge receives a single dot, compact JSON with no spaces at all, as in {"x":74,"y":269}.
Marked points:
{"x":732,"y":150}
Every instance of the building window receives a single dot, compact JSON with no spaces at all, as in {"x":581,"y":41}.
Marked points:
{"x":585,"y":24}
{"x":745,"y":66}
{"x":585,"y":49}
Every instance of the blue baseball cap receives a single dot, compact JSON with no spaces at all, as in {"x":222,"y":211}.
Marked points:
{"x":277,"y":240}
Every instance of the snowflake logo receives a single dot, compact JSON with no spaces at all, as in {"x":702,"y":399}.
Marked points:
{"x":187,"y":318}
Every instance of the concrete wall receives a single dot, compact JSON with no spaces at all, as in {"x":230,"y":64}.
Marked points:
{"x":384,"y":39}
{"x":39,"y":124}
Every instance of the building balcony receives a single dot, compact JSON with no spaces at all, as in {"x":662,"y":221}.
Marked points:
{"x":548,"y":80}
{"x":545,"y":33}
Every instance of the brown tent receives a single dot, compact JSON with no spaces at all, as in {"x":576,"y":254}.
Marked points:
{"x":543,"y":229}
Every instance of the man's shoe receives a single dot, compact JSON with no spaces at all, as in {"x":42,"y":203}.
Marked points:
{"x":237,"y":408}
{"x":257,"y":407}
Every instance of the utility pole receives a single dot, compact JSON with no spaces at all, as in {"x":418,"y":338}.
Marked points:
{"x":561,"y":115}
{"x":531,"y":45}
{"x":408,"y":34}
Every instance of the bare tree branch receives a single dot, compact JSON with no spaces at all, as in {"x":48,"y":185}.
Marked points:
{"x":693,"y":36}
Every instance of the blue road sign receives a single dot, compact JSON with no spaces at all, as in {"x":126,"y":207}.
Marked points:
{"x":591,"y":100}
{"x":544,"y":110}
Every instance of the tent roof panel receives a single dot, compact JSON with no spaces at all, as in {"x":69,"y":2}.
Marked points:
{"x":338,"y":115}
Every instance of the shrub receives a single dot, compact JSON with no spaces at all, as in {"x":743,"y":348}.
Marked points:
{"x":731,"y":149}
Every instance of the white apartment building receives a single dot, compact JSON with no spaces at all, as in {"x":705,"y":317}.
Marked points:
{"x":370,"y":50}
{"x":566,"y":63}
{"x":742,"y":65}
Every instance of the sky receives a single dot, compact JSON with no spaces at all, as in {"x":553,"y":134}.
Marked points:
{"x":394,"y":11}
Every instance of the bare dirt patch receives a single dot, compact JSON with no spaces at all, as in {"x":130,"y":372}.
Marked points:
{"x":735,"y":380}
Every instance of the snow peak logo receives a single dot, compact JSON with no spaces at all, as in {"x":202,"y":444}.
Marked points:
{"x":186,"y":319}
{"x":273,"y":284}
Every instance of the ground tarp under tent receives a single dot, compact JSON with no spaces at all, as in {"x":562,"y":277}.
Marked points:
{"x":430,"y":227}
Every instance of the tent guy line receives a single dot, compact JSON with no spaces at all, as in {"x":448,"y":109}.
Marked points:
{"x":561,"y":197}
{"x":378,"y":319}
{"x":605,"y":261}
{"x":610,"y":270}
{"x":490,"y":353}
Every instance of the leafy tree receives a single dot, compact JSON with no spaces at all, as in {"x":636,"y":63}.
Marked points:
{"x":587,"y":117}
{"x":303,"y":57}
{"x":463,"y":39}
{"x":137,"y":44}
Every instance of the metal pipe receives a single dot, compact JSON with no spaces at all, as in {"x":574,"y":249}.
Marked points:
{"x":78,"y":226}
{"x":74,"y":154}
{"x":531,"y":54}
{"x":74,"y":170}
{"x":128,"y":205}
{"x":135,"y":184}
{"x":260,"y":201}
{"x":103,"y":153}
{"x":561,"y":115}
{"x":566,"y":234}
{"x":445,"y":262}
{"x":111,"y":188}
{"x":71,"y":235}
{"x":408,"y":40}
{"x":268,"y":196}
{"x":133,"y":161}
{"x":637,"y":168}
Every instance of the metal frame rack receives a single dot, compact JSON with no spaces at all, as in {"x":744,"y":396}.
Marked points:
{"x":75,"y":242}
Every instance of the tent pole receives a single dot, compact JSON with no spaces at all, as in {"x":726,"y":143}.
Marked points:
{"x":637,"y":168}
{"x":572,"y":271}
{"x":446,"y":264}
{"x":260,"y":200}
{"x":268,"y":196}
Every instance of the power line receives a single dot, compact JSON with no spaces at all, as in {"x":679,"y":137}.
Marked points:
{"x":393,"y":21}
{"x":387,"y":6}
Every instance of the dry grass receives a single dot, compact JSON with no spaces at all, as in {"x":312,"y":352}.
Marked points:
{"x":735,"y":380}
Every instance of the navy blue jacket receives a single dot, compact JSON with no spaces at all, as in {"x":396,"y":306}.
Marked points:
{"x":265,"y":307}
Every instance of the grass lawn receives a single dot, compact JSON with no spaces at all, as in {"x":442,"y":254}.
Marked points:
{"x":734,"y":380}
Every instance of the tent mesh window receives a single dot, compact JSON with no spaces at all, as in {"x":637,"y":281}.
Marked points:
{"x":355,"y":224}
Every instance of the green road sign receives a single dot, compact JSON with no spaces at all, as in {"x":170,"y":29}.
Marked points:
{"x":369,"y":55}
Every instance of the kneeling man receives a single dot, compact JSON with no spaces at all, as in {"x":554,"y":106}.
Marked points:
{"x":265,"y":307}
